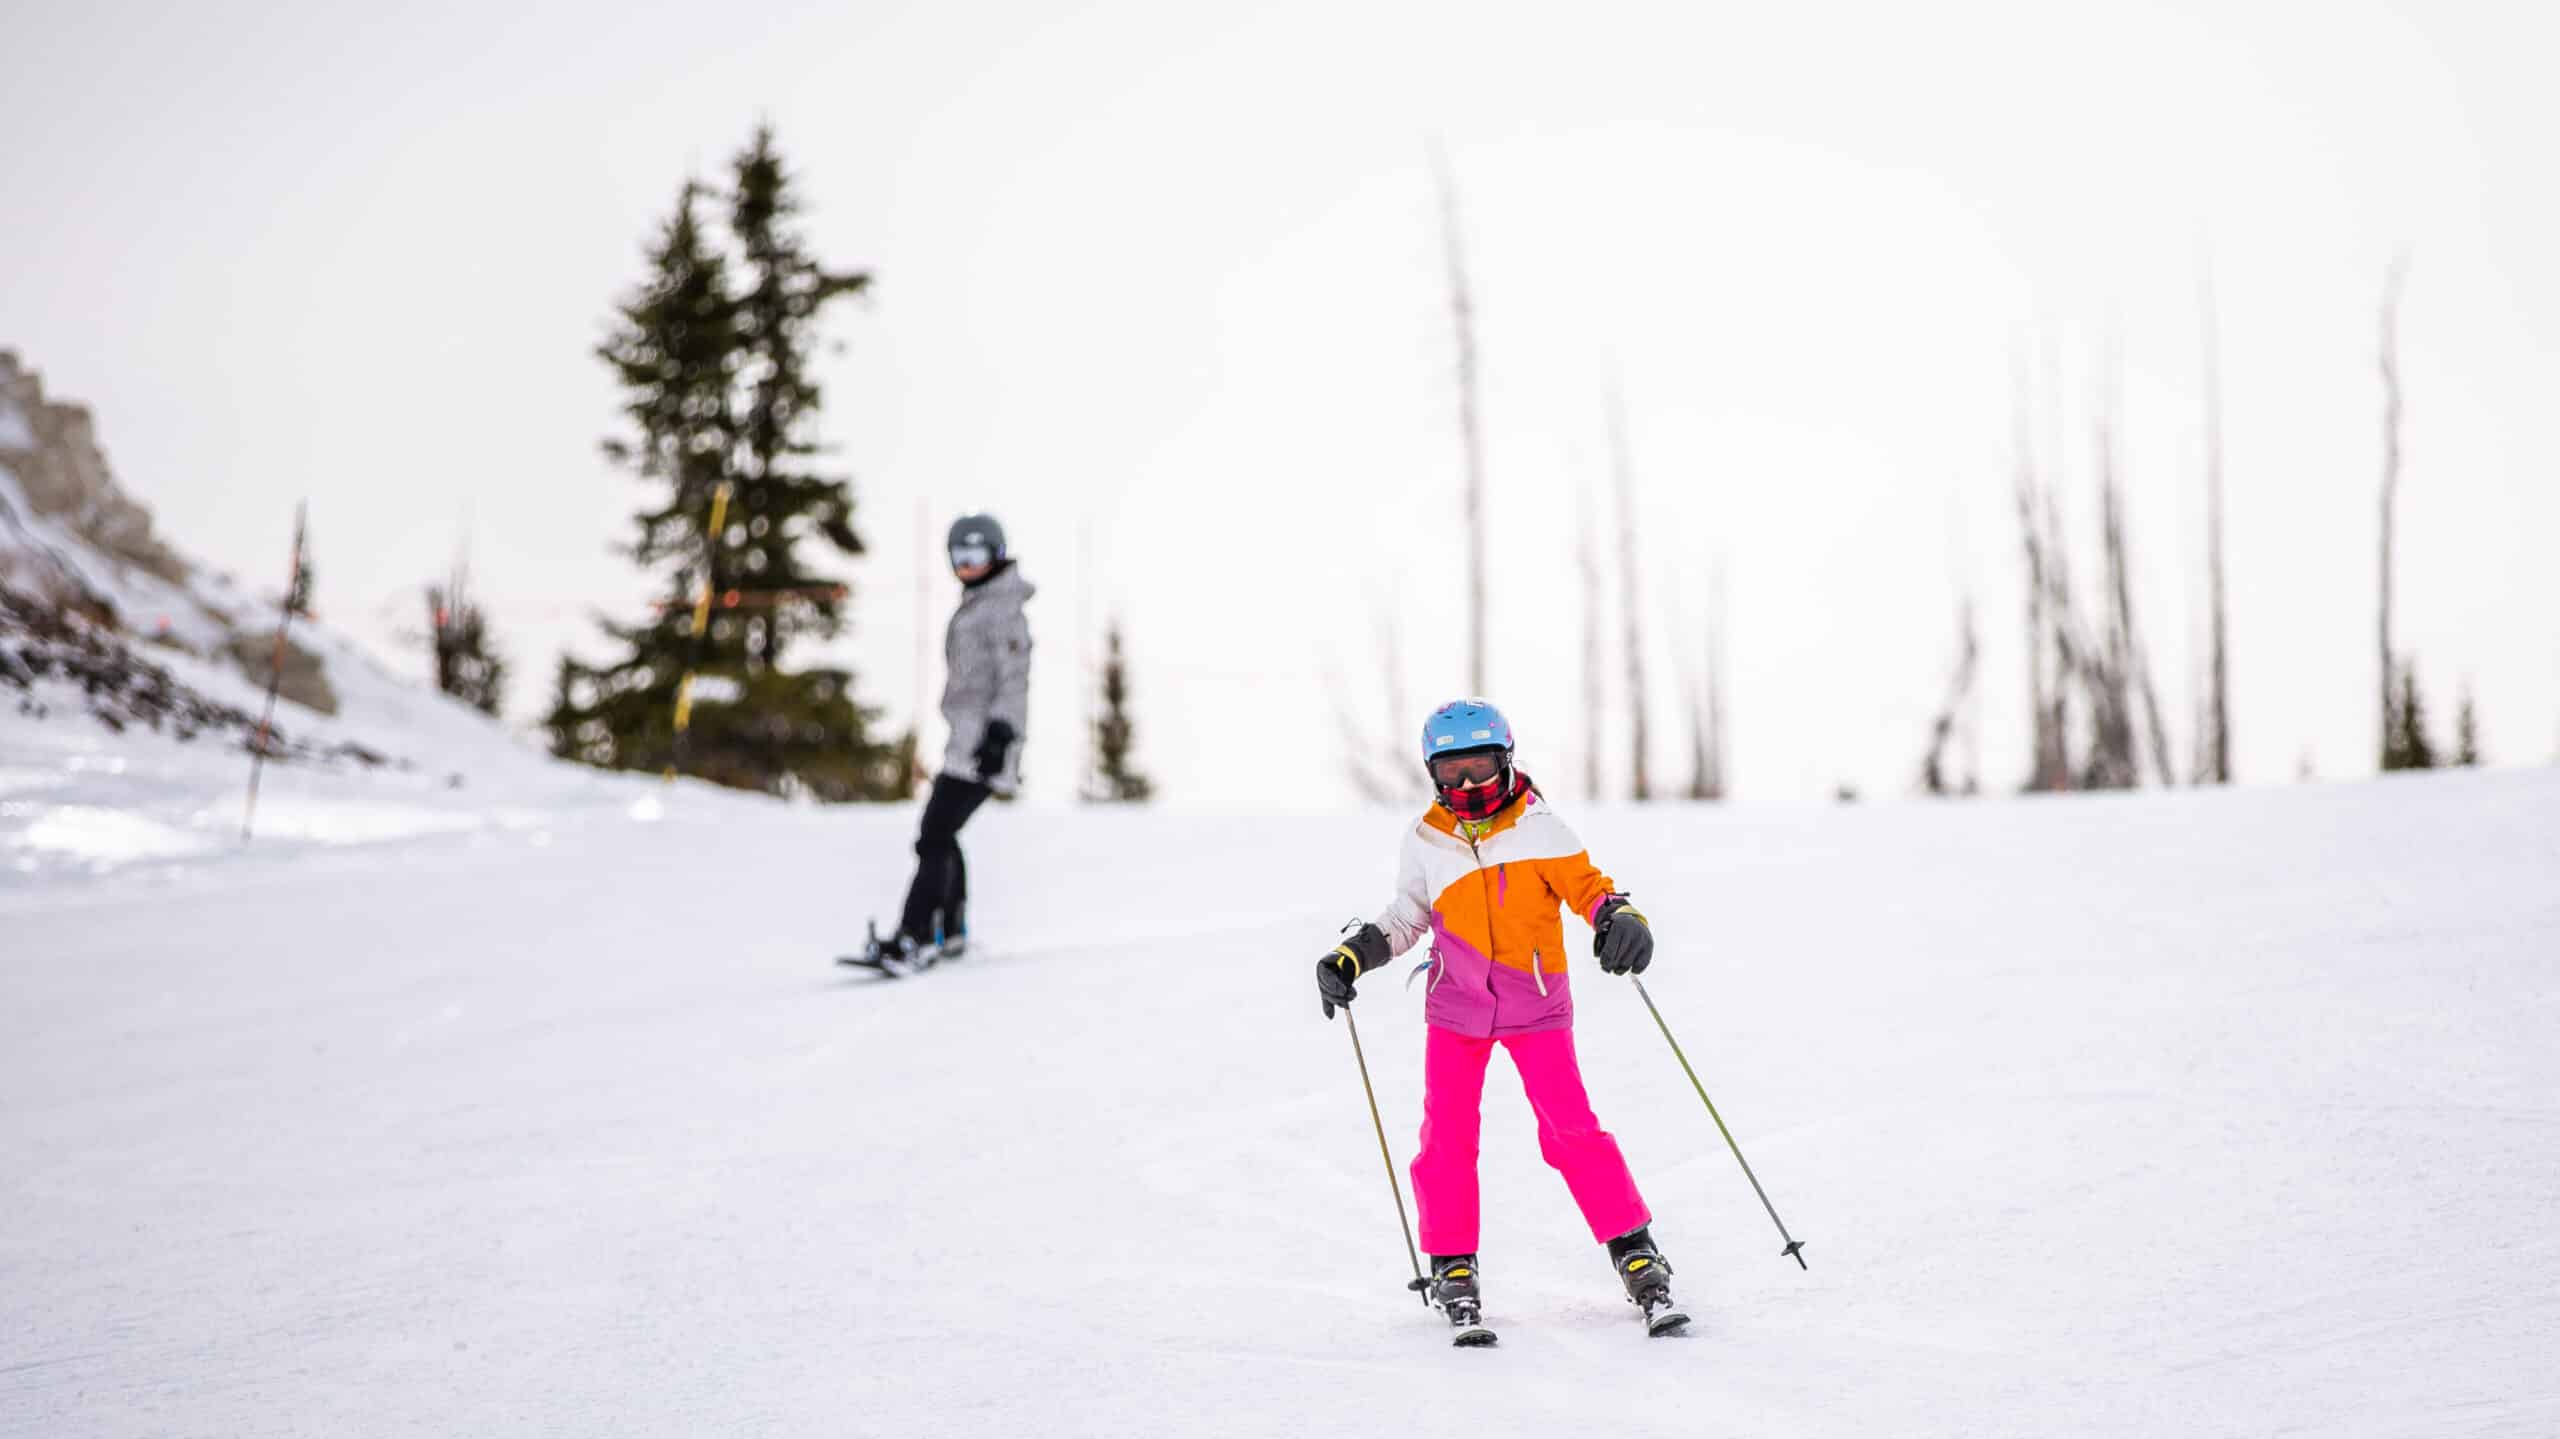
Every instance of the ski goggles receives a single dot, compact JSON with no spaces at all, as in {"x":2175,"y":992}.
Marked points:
{"x":1454,"y":771}
{"x":965,"y":557}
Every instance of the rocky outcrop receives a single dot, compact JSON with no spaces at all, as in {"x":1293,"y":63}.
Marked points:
{"x":96,"y":669}
{"x":52,"y":448}
{"x":301,"y":678}
{"x":101,"y":538}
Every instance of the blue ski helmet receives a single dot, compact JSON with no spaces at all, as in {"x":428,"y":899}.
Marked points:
{"x":1464,"y":725}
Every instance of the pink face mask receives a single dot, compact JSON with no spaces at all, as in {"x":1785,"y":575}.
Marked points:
{"x":1481,"y":801}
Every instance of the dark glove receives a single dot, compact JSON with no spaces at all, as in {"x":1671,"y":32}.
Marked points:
{"x":993,"y":746}
{"x":1361,"y":950}
{"x":1621,"y":938}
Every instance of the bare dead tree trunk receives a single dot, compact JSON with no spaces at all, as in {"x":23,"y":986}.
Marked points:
{"x":1091,"y":665}
{"x":2390,"y":472}
{"x":2043,"y":686}
{"x":1952,"y":712}
{"x":1381,"y":772}
{"x":1400,"y":762}
{"x":1718,"y":735}
{"x":1591,"y":661}
{"x":2059,"y":654}
{"x":2215,"y":736}
{"x":1698,"y":761}
{"x":2112,"y":761}
{"x":1706,"y":706}
{"x":2070,"y":655}
{"x":2129,"y":660}
{"x":1633,"y":618}
{"x":1470,"y":436}
{"x":2074,"y":659}
{"x":1969,"y":716}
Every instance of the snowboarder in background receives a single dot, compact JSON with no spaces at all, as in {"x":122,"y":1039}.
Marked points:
{"x":986,"y":703}
{"x":1482,"y":873}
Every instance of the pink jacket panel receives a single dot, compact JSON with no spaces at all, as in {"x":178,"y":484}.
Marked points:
{"x":1473,"y":996}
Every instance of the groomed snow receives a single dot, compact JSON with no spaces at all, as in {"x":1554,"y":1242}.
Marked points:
{"x":2226,"y":1113}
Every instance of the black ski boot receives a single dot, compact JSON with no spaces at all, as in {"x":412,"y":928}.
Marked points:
{"x":897,"y":957}
{"x":1647,"y":1276}
{"x":1452,"y":1290}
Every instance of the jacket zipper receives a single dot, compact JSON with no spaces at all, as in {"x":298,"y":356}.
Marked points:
{"x":1484,"y":890}
{"x":1484,"y":885}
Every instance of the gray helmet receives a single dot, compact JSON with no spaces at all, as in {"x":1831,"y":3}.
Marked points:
{"x":973,"y":537}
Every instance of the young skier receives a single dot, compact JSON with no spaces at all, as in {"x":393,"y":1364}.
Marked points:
{"x":1482,"y":873}
{"x":986,"y":703}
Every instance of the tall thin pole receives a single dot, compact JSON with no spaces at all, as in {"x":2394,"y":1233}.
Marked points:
{"x":701,"y":622}
{"x":1411,"y":1255}
{"x":275,"y":675}
{"x":1795,"y":1246}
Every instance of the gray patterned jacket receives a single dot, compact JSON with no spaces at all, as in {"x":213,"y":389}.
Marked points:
{"x":987,"y":675}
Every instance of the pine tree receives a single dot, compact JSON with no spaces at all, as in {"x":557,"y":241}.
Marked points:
{"x":718,"y":400}
{"x":2407,"y":745}
{"x":297,"y":599}
{"x":576,"y":733}
{"x":2466,"y":732}
{"x":779,"y":502}
{"x":904,"y":756}
{"x":1117,"y":780}
{"x":672,"y":354}
{"x":466,"y":667}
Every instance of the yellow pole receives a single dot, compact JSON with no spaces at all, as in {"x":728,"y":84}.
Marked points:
{"x":701,"y":612}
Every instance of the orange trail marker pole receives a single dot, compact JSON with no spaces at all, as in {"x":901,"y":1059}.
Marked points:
{"x":275,"y":678}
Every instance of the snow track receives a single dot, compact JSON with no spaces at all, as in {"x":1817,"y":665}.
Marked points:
{"x":2222,"y":1113}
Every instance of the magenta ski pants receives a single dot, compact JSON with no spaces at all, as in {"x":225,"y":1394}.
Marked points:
{"x":1569,"y":1136}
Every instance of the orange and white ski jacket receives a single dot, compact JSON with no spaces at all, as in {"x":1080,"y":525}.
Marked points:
{"x":1488,"y":893}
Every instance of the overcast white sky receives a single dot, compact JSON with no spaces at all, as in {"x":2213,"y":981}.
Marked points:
{"x":1163,"y":281}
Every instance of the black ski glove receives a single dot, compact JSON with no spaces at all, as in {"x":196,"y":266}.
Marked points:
{"x":1361,"y":950}
{"x":1621,"y":938}
{"x":993,"y":745}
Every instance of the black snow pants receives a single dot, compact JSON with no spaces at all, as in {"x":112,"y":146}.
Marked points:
{"x":937,"y":900}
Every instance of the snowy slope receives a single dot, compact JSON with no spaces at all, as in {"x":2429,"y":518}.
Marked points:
{"x":77,"y":797}
{"x":90,"y":781}
{"x":2228,"y":1113}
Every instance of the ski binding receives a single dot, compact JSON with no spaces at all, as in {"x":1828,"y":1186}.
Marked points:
{"x":883,"y":959}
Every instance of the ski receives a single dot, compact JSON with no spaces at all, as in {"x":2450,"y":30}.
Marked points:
{"x":1469,"y":1324}
{"x":1648,"y":1281}
{"x":1666,"y":1321}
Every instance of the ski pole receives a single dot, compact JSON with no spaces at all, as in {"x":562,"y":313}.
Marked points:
{"x":1795,"y":1246}
{"x":1412,"y":1256}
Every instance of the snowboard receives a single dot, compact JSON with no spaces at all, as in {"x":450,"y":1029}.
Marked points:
{"x":884,"y":959}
